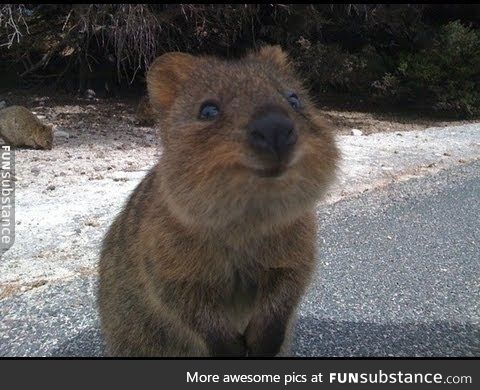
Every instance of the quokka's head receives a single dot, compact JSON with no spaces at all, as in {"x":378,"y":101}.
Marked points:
{"x":43,"y":136}
{"x":242,"y":142}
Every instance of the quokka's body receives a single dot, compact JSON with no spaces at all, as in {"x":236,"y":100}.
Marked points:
{"x":215,"y":247}
{"x":19,"y":127}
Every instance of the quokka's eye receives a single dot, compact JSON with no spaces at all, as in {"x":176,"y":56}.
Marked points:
{"x":294,"y":101}
{"x":209,"y":110}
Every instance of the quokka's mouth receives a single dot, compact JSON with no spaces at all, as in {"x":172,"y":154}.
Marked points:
{"x":272,"y":172}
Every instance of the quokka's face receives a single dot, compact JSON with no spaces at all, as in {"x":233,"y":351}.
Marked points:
{"x":239,"y":137}
{"x":43,"y":137}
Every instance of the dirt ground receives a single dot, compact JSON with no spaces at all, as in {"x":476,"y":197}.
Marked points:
{"x":369,"y":122}
{"x":97,"y":137}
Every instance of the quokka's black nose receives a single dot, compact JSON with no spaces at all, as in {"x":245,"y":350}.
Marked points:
{"x":272,"y":132}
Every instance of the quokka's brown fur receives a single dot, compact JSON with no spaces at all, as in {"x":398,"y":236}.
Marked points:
{"x":212,"y":252}
{"x":145,"y":114}
{"x":19,"y":127}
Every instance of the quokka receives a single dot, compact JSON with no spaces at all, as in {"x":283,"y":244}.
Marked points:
{"x":20,"y":127}
{"x":215,"y":247}
{"x":144,"y":114}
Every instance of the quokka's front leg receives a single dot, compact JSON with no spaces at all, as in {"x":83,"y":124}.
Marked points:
{"x":201,"y":308}
{"x":279,"y":294}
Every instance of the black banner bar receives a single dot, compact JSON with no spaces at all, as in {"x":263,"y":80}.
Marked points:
{"x":240,"y":374}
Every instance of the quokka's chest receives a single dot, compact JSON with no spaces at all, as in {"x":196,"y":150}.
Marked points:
{"x":241,"y":298}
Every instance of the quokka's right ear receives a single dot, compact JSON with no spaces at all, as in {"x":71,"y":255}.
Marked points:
{"x":273,"y":54}
{"x":166,"y":76}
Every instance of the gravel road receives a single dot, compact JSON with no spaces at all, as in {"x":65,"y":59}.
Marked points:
{"x":399,"y":272}
{"x":398,"y":275}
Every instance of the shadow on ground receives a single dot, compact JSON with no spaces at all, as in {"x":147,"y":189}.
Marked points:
{"x":327,"y":338}
{"x":320,"y":337}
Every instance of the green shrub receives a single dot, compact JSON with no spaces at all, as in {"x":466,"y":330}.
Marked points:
{"x":444,"y":76}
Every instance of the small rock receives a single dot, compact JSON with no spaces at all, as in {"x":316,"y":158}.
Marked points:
{"x":90,"y":94}
{"x":61,"y":134}
{"x":3,"y":104}
{"x":51,"y":187}
{"x":399,"y":134}
{"x":447,"y":154}
{"x":92,"y":222}
{"x":35,"y":170}
{"x":357,"y":132}
{"x":44,"y":253}
{"x":96,"y":177}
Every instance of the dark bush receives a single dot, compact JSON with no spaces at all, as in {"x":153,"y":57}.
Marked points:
{"x":413,"y":55}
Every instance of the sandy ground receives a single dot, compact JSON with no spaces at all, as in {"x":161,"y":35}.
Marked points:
{"x":382,"y":122}
{"x":67,"y":197}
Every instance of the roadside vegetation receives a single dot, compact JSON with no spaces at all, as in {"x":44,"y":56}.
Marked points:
{"x":414,"y":56}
